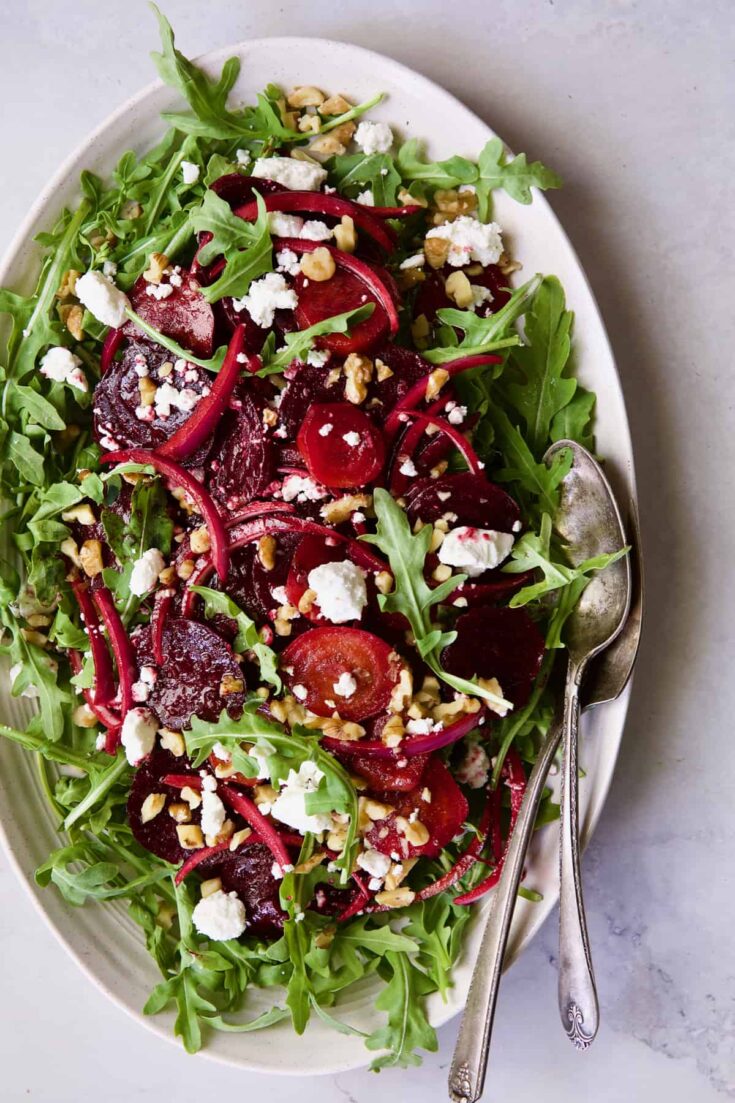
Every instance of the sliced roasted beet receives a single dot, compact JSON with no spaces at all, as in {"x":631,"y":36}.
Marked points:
{"x":408,"y":368}
{"x":341,"y":445}
{"x":117,"y":397}
{"x":311,"y":553}
{"x":497,"y":643}
{"x":185,"y":315}
{"x":332,"y":899}
{"x":343,"y":292}
{"x":308,"y":386}
{"x":384,"y":774}
{"x":442,"y":815}
{"x":243,"y":461}
{"x":494,"y":588}
{"x":317,"y":659}
{"x":475,"y":502}
{"x":236,"y":189}
{"x":432,"y":295}
{"x":248,"y":872}
{"x":250,"y":585}
{"x":159,"y":834}
{"x":190,"y":681}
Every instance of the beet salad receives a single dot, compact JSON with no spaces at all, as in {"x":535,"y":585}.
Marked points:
{"x":285,"y":593}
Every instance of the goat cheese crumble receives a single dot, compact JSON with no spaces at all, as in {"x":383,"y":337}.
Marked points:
{"x":374,"y":137}
{"x":293,"y":174}
{"x":220,"y":916}
{"x":470,"y":240}
{"x":62,"y":366}
{"x":102,"y":299}
{"x":264,"y":297}
{"x":340,"y":589}
{"x":146,"y":571}
{"x":345,"y":685}
{"x":189,"y":172}
{"x":289,"y":807}
{"x":138,"y":734}
{"x":475,"y":550}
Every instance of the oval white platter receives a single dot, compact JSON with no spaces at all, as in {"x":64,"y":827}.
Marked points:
{"x":103,"y":940}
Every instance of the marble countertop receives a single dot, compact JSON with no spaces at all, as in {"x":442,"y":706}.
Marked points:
{"x":633,"y":102}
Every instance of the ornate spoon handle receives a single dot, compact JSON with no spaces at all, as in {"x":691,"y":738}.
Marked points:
{"x":467,"y":1072}
{"x":578,"y":1006}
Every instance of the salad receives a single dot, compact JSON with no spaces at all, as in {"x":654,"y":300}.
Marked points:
{"x":284,"y":590}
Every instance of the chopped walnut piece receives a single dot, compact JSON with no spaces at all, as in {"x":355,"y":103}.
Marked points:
{"x":319,"y":265}
{"x":459,"y":288}
{"x":72,"y":317}
{"x":340,"y":510}
{"x":436,"y":251}
{"x":396,"y":898}
{"x":68,"y":284}
{"x":230,"y":684}
{"x":190,"y":836}
{"x":306,"y":95}
{"x":345,"y":235}
{"x":90,"y":556}
{"x":335,"y":105}
{"x":157,"y":265}
{"x":435,"y":382}
{"x":358,"y":371}
{"x":267,"y":552}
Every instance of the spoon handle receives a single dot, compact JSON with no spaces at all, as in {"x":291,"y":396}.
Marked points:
{"x":469,"y":1063}
{"x":578,"y":1006}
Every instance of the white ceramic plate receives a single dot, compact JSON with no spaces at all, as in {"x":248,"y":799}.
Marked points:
{"x":103,"y":941}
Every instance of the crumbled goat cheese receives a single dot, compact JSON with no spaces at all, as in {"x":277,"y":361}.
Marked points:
{"x":138,"y":734}
{"x":265,"y":297}
{"x":300,"y":693}
{"x":189,"y":172}
{"x":480,"y":295}
{"x":102,"y":299}
{"x":416,"y":261}
{"x":340,"y":589}
{"x":317,"y":358}
{"x":213,"y":810}
{"x":366,"y":198}
{"x":221,"y":752}
{"x":285,"y":225}
{"x":146,"y":571}
{"x":301,"y":489}
{"x":457,"y":415}
{"x":474,"y":768}
{"x":168,"y":397}
{"x":62,"y":366}
{"x":374,"y":863}
{"x":374,"y":137}
{"x":159,"y":291}
{"x":424,"y":726}
{"x":220,"y":916}
{"x":288,"y":262}
{"x":470,"y":240}
{"x":345,"y":685}
{"x":109,"y":268}
{"x":289,"y":807}
{"x":315,"y":230}
{"x":475,"y":550}
{"x":293,"y":174}
{"x":326,"y":429}
{"x":352,"y":438}
{"x":408,"y":467}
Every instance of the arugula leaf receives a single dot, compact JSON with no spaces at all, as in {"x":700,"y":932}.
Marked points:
{"x":574,"y":421}
{"x":149,"y":525}
{"x":436,"y":174}
{"x":247,"y":638}
{"x":353,"y":172}
{"x":542,"y":390}
{"x":539,"y":481}
{"x":412,"y":596}
{"x":37,"y":674}
{"x":407,"y":1027}
{"x":210,"y":117}
{"x":489,"y":334}
{"x":174,"y":348}
{"x":246,"y":246}
{"x":299,"y":344}
{"x":515,"y":176}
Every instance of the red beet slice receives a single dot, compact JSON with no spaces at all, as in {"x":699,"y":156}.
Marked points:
{"x":311,"y":553}
{"x":432,"y":296}
{"x":384,"y":774}
{"x":475,"y":501}
{"x":185,"y":315}
{"x":243,"y":461}
{"x":408,"y":368}
{"x":497,"y":643}
{"x":237,"y":189}
{"x":318,"y":658}
{"x":196,"y":659}
{"x":159,"y":834}
{"x":341,"y":445}
{"x":117,"y":397}
{"x":248,"y":873}
{"x":345,"y":291}
{"x":443,"y":815}
{"x":307,"y":387}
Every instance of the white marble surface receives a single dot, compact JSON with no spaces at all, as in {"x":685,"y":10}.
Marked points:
{"x":633,"y":103}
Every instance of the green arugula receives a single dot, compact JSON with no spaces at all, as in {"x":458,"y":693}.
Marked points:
{"x":299,"y":344}
{"x":246,"y":246}
{"x":407,"y":1028}
{"x":536,"y":483}
{"x":176,"y":350}
{"x":354,"y":172}
{"x":148,"y":525}
{"x":481,"y":335}
{"x":413,"y":597}
{"x":247,"y":638}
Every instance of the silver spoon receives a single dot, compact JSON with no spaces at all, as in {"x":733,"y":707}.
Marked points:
{"x":589,"y":523}
{"x":609,"y":675}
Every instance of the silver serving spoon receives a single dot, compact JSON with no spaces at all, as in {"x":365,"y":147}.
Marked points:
{"x":589,"y":523}
{"x":609,"y":674}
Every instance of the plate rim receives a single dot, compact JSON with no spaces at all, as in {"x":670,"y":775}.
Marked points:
{"x":11,"y":255}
